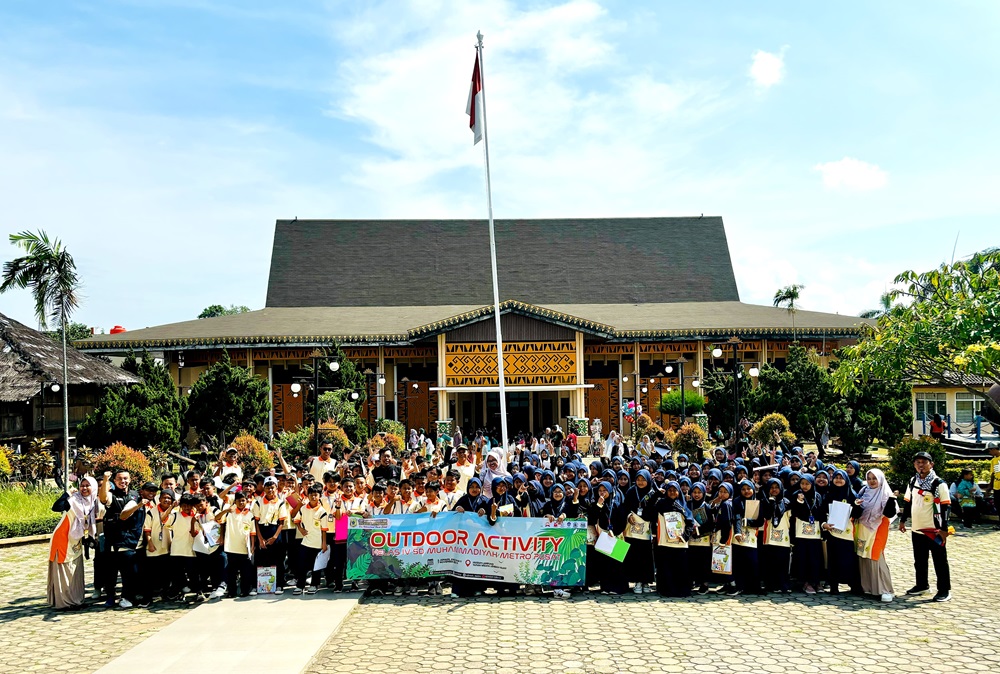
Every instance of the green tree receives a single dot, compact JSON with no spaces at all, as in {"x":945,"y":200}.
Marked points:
{"x":803,"y":393}
{"x":74,"y":332}
{"x":878,"y":410}
{"x":346,"y":379}
{"x":228,"y":399}
{"x":143,"y":415}
{"x":884,"y":307}
{"x":787,"y":297}
{"x":946,"y":327}
{"x":670,"y":403}
{"x":219,"y":310}
{"x":50,"y":272}
{"x":717,"y":386}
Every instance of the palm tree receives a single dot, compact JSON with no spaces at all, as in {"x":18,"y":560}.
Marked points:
{"x":884,"y":306}
{"x":49,"y":271}
{"x":786,"y":297}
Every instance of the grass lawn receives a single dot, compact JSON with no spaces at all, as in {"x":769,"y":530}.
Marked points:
{"x":27,"y":511}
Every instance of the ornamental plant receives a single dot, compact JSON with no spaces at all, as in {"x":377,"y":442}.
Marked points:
{"x":6,"y":470}
{"x":394,"y":442}
{"x":690,"y":439}
{"x":122,"y":457}
{"x":763,"y":430}
{"x":253,"y":454}
{"x":670,"y":403}
{"x":901,"y":459}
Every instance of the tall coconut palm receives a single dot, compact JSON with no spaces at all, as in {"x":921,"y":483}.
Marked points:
{"x":49,"y":271}
{"x":787,"y":297}
{"x":884,"y":306}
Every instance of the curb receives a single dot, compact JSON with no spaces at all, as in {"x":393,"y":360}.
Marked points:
{"x":23,"y":540}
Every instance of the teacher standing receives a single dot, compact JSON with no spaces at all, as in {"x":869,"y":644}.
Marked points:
{"x":928,"y":502}
{"x":79,"y":522}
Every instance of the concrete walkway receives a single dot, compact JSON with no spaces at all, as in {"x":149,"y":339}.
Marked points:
{"x":278,"y":635}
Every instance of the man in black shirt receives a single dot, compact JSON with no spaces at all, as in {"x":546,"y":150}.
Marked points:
{"x":386,"y":470}
{"x":123,"y":524}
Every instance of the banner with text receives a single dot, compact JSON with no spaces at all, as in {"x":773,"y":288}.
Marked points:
{"x":525,"y":550}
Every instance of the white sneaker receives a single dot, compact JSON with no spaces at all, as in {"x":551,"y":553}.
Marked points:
{"x":96,"y":594}
{"x":124,"y":603}
{"x":217,"y":593}
{"x":560,"y":594}
{"x":646,"y":589}
{"x":253,"y":593}
{"x":637,"y":589}
{"x":887,"y":597}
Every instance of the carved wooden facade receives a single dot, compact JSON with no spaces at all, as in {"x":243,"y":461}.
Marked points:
{"x":524,"y":363}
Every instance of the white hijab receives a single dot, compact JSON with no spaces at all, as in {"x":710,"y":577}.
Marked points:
{"x":873,"y":500}
{"x":84,"y":511}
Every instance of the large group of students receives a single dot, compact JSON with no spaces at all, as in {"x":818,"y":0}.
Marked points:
{"x":204,"y":536}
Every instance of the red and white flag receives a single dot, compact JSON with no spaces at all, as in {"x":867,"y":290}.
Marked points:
{"x":474,"y":107}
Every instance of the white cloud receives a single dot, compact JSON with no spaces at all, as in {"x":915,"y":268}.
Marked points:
{"x":852,"y":175}
{"x":767,"y":69}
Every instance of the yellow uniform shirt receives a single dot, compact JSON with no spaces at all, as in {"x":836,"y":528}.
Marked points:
{"x":239,"y":528}
{"x":269,"y":512}
{"x":157,"y":532}
{"x":316,"y":523}
{"x":995,"y":472}
{"x":181,"y":540}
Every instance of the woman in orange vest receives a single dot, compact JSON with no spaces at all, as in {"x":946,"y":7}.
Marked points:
{"x":66,"y":574}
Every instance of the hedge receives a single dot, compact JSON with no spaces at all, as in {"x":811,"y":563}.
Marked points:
{"x":950,"y":474}
{"x":27,"y":512}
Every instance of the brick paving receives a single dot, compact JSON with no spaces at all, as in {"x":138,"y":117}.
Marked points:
{"x":587,"y":634}
{"x":37,"y":638}
{"x":597,"y":634}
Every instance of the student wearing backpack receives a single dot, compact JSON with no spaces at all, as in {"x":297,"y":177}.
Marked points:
{"x":927,"y":502}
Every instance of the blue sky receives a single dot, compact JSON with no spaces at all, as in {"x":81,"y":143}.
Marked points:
{"x":841,"y":143}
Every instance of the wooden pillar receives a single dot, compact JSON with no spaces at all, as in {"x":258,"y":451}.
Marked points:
{"x":380,"y":388}
{"x":577,"y":399}
{"x":442,"y":379}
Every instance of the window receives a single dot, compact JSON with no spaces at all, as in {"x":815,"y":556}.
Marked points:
{"x":931,"y":404}
{"x":967,"y":406}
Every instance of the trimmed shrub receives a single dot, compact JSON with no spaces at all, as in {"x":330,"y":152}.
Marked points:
{"x":390,"y":440}
{"x":389,"y":426}
{"x":763,"y":430}
{"x":118,"y":456}
{"x":901,"y":458}
{"x":690,"y":439}
{"x":294,"y":445}
{"x":670,"y":403}
{"x":252,"y":454}
{"x":6,"y":470}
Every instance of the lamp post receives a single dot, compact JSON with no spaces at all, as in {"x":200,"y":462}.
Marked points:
{"x":680,"y":373}
{"x":378,"y":377}
{"x":407,"y":383}
{"x":314,"y":386}
{"x":657,"y":381}
{"x":737,"y":375}
{"x":635,"y":392}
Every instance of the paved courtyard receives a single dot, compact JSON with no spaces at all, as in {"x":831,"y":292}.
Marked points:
{"x":588,"y":633}
{"x":646,"y":634}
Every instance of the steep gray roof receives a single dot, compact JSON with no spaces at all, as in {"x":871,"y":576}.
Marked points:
{"x":408,"y":263}
{"x":29,"y":358}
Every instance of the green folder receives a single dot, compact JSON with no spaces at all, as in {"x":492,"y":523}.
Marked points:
{"x":618,"y":552}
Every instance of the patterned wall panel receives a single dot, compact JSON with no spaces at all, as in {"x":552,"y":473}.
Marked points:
{"x":608,"y":349}
{"x":417,"y":407}
{"x":603,"y":402}
{"x":288,"y":410}
{"x":524,"y":364}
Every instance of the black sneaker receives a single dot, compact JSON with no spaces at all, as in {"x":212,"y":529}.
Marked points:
{"x":733,"y":592}
{"x":916,"y":589}
{"x":942,"y":596}
{"x":702,"y":590}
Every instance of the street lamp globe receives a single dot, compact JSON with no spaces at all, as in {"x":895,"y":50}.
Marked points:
{"x":381,"y":380}
{"x":354,"y":395}
{"x":696,"y":383}
{"x":334,"y":366}
{"x":754,"y":372}
{"x":644,"y":389}
{"x":670,"y":369}
{"x":625,"y":379}
{"x":55,"y":388}
{"x":296,"y":387}
{"x":716,"y":352}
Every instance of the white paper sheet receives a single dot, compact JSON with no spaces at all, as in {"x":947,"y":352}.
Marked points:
{"x":605,"y":543}
{"x":840,"y":515}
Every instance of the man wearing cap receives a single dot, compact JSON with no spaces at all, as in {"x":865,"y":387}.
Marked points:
{"x":927,"y":501}
{"x":228,"y":465}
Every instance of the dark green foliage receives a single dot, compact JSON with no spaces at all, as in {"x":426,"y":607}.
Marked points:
{"x":141,"y":415}
{"x":803,"y":393}
{"x":670,"y":403}
{"x":228,"y":399}
{"x":74,"y":332}
{"x":879,"y":409}
{"x":348,"y":378}
{"x":901,"y":459}
{"x":718,"y":388}
{"x":219,"y":310}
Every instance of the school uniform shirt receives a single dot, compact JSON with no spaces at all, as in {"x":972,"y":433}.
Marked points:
{"x":291,"y":500}
{"x":995,"y":472}
{"x":318,"y":467}
{"x":372,"y":510}
{"x":468,"y":471}
{"x":231,"y":469}
{"x":408,"y":508}
{"x":239,"y":528}
{"x":450,"y":498}
{"x":269,"y":512}
{"x":181,"y":540}
{"x":438,"y":506}
{"x":157,"y":532}
{"x":207,"y":522}
{"x":922,"y":505}
{"x":316,"y":523}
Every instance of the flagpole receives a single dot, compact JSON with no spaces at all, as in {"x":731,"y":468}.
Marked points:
{"x":493,"y":252}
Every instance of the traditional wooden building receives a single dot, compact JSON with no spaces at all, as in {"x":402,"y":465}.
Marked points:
{"x":31,"y":403}
{"x":594,"y":312}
